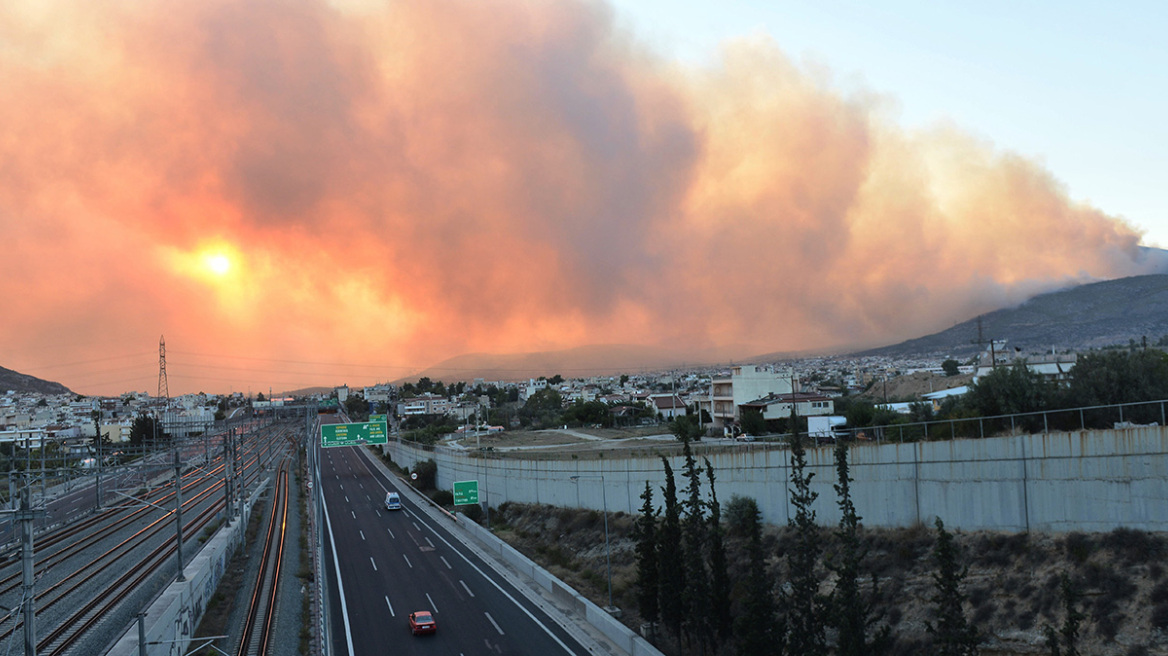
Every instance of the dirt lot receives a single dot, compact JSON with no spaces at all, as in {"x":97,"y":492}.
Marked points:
{"x":554,"y":436}
{"x":912,"y":386}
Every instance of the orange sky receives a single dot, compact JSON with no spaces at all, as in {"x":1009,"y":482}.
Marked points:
{"x":303,"y":192}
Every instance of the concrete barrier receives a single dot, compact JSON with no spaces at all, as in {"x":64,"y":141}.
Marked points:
{"x":171,"y":620}
{"x":1093,"y":480}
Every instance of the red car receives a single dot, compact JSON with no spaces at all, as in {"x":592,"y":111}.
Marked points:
{"x":422,"y":621}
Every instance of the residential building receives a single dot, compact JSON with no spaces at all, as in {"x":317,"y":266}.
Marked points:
{"x":427,"y":404}
{"x":743,"y":384}
{"x":778,"y":406}
{"x":669,"y":406}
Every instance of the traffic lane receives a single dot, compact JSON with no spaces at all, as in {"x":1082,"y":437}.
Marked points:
{"x":501,"y":606}
{"x":429,"y":576}
{"x":373,"y":574}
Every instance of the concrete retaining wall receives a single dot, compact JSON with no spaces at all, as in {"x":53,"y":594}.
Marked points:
{"x":1094,"y":480}
{"x":171,"y":620}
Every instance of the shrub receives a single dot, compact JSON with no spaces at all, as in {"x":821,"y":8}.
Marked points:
{"x":427,"y":471}
{"x":473,"y":511}
{"x":1113,"y":588}
{"x":1078,"y":547}
{"x":444,"y":498}
{"x":1132,"y":547}
{"x":739,"y":513}
{"x":1001,"y":549}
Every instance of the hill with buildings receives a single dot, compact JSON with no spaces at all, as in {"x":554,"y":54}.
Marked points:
{"x":1088,"y":316}
{"x":581,"y":362}
{"x":22,"y":383}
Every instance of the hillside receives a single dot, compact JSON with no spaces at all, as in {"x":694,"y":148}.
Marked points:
{"x":23,"y":383}
{"x":1087,"y":316}
{"x":1012,"y":586}
{"x":581,"y":362}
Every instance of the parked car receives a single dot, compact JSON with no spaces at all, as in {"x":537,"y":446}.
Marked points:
{"x":422,"y":621}
{"x":392,"y":501}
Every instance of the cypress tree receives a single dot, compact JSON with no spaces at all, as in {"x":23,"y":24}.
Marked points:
{"x":852,"y":613}
{"x":719,"y":568}
{"x":697,"y":580}
{"x":1069,"y":633}
{"x":669,"y":559}
{"x":952,"y":633}
{"x":805,"y":606}
{"x":759,"y":629}
{"x":648,"y":574}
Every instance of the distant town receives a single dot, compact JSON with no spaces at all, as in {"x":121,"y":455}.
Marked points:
{"x":718,"y":398}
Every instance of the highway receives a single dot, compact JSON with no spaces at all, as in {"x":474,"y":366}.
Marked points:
{"x":391,"y":563}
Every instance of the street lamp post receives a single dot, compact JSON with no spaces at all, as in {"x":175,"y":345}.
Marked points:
{"x":611,"y":609}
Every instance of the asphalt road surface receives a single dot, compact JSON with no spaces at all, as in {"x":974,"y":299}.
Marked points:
{"x":391,"y":563}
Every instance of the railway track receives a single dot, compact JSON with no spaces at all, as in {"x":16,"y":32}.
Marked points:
{"x":95,"y":587}
{"x":257,"y":630}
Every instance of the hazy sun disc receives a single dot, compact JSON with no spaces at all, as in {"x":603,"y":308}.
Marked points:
{"x":218,"y":264}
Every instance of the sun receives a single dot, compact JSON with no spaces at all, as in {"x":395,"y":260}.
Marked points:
{"x":217,"y":263}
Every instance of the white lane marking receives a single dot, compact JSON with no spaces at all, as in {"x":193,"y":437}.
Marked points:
{"x":433,"y":606}
{"x":391,"y":613}
{"x":342,"y":486}
{"x":340,"y":583}
{"x":490,"y":580}
{"x":430,"y":543}
{"x":362,"y":534}
{"x":374,"y":563}
{"x":391,"y":533}
{"x":466,"y":587}
{"x":408,"y":561}
{"x":443,"y":559}
{"x":368,"y":498}
{"x":417,"y":528}
{"x":347,"y":499}
{"x":493,"y":622}
{"x":353,"y":514}
{"x":377,"y":511}
{"x":362,"y":485}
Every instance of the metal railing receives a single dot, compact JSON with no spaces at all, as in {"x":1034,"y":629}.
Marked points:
{"x":1122,"y":415}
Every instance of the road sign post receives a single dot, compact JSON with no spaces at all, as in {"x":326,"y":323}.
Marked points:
{"x":369,"y":432}
{"x":466,"y":493}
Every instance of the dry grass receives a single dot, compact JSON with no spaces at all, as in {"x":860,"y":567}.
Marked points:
{"x":1012,"y":580}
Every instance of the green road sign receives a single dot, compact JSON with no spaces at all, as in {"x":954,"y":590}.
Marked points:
{"x":369,"y":432}
{"x":329,"y":403}
{"x":466,"y":493}
{"x":378,"y":418}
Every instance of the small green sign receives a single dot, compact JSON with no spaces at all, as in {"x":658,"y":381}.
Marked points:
{"x":466,"y":493}
{"x":369,"y":432}
{"x":378,"y":418}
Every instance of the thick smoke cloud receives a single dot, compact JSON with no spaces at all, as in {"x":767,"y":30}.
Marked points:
{"x":411,"y":180}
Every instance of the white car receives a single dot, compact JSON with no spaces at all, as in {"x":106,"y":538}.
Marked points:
{"x":392,"y":501}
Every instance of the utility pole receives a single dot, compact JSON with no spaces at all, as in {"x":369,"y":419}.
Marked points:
{"x":982,"y":340}
{"x":238,"y":455}
{"x":178,"y":503}
{"x":28,"y":607}
{"x":228,"y":480}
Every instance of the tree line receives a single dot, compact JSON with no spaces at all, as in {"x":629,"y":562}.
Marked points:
{"x":1100,"y":378}
{"x":690,"y":600}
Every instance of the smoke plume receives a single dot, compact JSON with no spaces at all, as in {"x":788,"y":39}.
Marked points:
{"x":306,"y":181}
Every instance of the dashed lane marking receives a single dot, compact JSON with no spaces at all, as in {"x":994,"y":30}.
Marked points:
{"x":494,"y":623}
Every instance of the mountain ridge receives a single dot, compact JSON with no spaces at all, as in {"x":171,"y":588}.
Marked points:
{"x":23,"y":383}
{"x":1087,"y":316}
